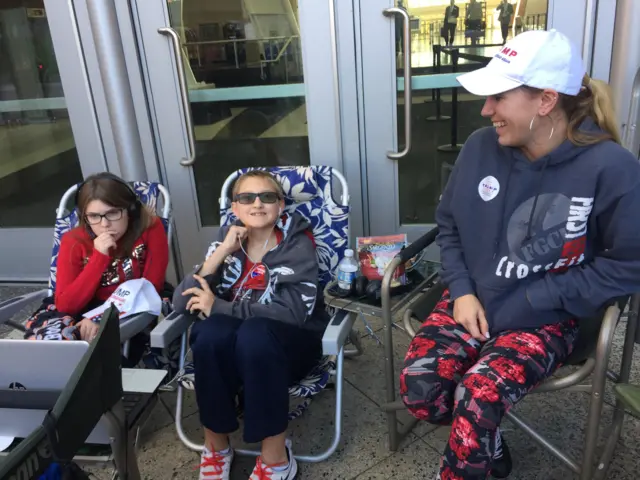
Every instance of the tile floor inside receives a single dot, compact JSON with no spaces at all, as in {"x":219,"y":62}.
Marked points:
{"x":363,"y":453}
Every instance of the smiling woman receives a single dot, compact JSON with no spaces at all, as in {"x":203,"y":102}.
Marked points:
{"x":555,"y":200}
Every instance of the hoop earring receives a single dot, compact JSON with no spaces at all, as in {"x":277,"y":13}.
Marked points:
{"x":531,"y":124}
{"x":551,"y":134}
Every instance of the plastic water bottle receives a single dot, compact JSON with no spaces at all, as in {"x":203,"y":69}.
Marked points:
{"x":347,"y":271}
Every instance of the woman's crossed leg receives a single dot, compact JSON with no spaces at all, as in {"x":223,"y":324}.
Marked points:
{"x":451,"y":378}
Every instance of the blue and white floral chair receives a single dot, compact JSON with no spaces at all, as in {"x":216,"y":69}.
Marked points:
{"x":308,"y":191}
{"x":151,"y":194}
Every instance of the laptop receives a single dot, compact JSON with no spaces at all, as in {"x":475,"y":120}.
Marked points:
{"x":48,"y":366}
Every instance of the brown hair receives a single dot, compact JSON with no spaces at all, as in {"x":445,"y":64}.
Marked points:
{"x":263,"y":174}
{"x":116,"y":193}
{"x":593,"y":100}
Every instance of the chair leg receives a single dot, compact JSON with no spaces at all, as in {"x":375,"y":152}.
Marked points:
{"x":623,"y":377}
{"x":542,"y":441}
{"x":124,"y":454}
{"x":357,"y":343}
{"x":196,"y":447}
{"x":603,"y":352}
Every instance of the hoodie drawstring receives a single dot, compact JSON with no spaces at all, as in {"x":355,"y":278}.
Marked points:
{"x":535,"y":200}
{"x":496,"y":242}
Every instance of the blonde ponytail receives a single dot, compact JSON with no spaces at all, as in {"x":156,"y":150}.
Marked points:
{"x":594,"y":100}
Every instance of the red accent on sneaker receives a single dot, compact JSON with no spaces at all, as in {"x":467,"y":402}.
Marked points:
{"x":215,"y":461}
{"x":264,"y":471}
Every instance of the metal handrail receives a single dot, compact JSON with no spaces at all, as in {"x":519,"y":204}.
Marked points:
{"x":238,"y":40}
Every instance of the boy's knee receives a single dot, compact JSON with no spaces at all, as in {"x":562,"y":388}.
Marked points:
{"x":255,"y":337}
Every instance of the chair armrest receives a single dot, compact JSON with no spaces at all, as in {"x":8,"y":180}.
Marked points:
{"x":170,"y":328}
{"x":131,"y":326}
{"x":416,"y":247}
{"x":10,"y":307}
{"x":336,"y":332}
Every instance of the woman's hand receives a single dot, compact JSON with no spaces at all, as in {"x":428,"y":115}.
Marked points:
{"x":235,"y":236}
{"x":468,"y":312}
{"x":88,"y":329}
{"x":104,"y":242}
{"x":202,"y":298}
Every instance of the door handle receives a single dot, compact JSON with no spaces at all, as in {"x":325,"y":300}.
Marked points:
{"x":406,"y":47}
{"x":184,"y":93}
{"x":629,"y":134}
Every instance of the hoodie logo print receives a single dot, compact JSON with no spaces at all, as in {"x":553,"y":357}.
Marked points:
{"x":488,"y":188}
{"x":559,"y":237}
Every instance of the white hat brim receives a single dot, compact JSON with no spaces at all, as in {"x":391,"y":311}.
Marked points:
{"x":485,"y":82}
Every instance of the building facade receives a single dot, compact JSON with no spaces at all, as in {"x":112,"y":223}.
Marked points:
{"x":186,"y":91}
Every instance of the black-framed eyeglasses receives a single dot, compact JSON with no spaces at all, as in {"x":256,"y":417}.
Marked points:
{"x":247,"y":198}
{"x":111,"y":215}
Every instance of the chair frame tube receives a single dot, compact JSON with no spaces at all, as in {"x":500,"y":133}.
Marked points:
{"x":198,"y":447}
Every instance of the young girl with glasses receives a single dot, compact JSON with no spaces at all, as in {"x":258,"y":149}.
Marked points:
{"x":118,"y":239}
{"x":260,"y":329}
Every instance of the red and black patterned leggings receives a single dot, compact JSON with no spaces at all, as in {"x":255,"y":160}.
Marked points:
{"x":449,"y":376}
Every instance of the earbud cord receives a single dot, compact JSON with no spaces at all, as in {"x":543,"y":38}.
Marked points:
{"x":255,"y":264}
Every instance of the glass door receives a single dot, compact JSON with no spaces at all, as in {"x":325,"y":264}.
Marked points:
{"x":48,"y":139}
{"x":229,"y":86}
{"x":416,"y":117}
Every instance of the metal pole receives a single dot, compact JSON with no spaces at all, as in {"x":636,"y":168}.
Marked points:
{"x":453,"y":146}
{"x":117,"y":91}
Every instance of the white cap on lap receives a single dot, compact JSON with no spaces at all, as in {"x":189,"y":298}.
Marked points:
{"x":539,"y":58}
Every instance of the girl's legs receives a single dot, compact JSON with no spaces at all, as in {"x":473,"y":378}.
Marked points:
{"x":447,"y":376}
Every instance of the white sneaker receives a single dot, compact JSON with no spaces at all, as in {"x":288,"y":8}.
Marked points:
{"x":276,"y":472}
{"x":215,"y":466}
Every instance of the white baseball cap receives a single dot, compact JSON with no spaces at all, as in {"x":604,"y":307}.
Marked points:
{"x":538,"y":58}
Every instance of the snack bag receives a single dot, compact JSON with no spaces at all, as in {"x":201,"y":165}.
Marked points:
{"x":375,"y":254}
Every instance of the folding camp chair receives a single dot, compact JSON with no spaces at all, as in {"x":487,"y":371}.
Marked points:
{"x":308,"y":191}
{"x":591,"y":357}
{"x":155,"y":196}
{"x":151,"y":194}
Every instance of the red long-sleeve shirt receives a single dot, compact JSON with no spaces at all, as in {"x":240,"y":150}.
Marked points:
{"x":84,"y":274}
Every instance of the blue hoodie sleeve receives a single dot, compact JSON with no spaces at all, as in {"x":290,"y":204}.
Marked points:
{"x":615,"y":269}
{"x":454,"y":271}
{"x":614,"y":272}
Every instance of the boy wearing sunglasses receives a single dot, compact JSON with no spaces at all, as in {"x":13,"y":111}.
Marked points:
{"x":256,"y":291}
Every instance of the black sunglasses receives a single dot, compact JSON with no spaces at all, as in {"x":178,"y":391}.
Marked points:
{"x":249,"y":198}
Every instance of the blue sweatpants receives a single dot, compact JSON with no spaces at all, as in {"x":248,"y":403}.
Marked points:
{"x":262,"y":355}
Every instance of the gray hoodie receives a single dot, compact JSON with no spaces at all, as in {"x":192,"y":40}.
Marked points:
{"x":292,"y":295}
